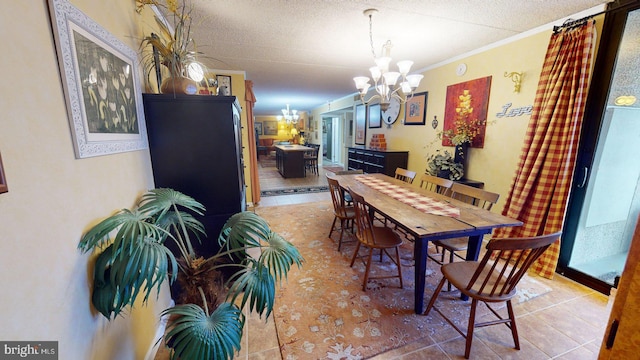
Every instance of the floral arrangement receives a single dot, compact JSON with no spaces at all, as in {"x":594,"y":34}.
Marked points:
{"x":175,"y":47}
{"x":464,"y":129}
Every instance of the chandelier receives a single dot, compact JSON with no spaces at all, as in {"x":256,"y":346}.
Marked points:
{"x":290,"y":116}
{"x":388,"y":84}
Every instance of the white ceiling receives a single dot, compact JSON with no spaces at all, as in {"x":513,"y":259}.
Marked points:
{"x":306,"y":52}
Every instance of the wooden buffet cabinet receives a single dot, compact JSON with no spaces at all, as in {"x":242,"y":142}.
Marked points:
{"x":196,"y":148}
{"x":376,"y":161}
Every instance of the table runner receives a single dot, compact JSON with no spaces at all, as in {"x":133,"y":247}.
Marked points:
{"x":420,"y":202}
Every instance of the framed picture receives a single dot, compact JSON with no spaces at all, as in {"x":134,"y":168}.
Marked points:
{"x":415,"y":109}
{"x":361,"y":125}
{"x":3,"y":180}
{"x":375,"y":120}
{"x":270,"y":127}
{"x":224,"y":80}
{"x":258,"y":126}
{"x":100,"y":81}
{"x":472,"y":96}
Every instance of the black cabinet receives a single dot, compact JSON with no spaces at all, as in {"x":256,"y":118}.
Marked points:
{"x":196,"y":148}
{"x":376,"y":161}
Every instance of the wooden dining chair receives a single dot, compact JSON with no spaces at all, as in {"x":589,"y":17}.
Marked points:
{"x":311,"y":160}
{"x":373,"y":237}
{"x":469,"y":194}
{"x":405,"y":175}
{"x":492,"y":280}
{"x":346,"y":214}
{"x":436,"y":184}
{"x":347,"y":196}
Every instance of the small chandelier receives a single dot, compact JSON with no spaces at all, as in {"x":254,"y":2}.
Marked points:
{"x":290,"y":116}
{"x":388,"y":84}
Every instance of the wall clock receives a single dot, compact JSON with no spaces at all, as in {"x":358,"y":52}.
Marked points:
{"x":461,"y":69}
{"x":391,"y":114}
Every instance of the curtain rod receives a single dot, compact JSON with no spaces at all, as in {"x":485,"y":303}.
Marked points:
{"x":569,"y":23}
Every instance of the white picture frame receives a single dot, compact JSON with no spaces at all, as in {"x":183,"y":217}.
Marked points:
{"x":100,"y":79}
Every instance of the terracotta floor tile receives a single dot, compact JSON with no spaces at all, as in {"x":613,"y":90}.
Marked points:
{"x":479,"y":351}
{"x":432,"y":353}
{"x":580,"y":353}
{"x":499,"y":339}
{"x":562,"y":319}
{"x":544,"y":336}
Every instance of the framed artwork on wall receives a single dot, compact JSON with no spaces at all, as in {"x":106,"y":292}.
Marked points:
{"x":415,"y":109}
{"x":258,"y":126}
{"x":472,"y":99}
{"x":3,"y":180}
{"x":270,"y":127}
{"x":375,"y":120}
{"x":100,"y":80}
{"x":224,"y":85}
{"x":361,"y":125}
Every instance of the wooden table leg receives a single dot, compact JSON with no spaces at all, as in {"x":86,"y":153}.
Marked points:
{"x":420,"y":256}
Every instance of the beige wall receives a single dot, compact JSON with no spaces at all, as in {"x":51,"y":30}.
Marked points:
{"x":495,"y":164}
{"x":54,"y":197}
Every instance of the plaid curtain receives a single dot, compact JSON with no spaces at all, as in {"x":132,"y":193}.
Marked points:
{"x":540,"y":189}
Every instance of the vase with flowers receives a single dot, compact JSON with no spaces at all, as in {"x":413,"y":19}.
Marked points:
{"x":173,"y":47}
{"x":465,"y":128}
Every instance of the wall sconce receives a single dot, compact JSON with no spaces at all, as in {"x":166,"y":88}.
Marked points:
{"x":516,"y":77}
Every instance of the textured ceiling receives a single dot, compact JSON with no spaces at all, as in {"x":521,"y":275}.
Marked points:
{"x":306,"y":52}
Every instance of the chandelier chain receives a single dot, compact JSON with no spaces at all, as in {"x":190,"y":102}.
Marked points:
{"x":373,"y":52}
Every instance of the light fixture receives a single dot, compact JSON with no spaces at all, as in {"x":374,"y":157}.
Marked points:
{"x":290,"y":116}
{"x":388,"y":84}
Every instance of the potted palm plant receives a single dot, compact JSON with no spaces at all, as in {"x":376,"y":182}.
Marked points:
{"x":133,"y":259}
{"x":443,"y":164}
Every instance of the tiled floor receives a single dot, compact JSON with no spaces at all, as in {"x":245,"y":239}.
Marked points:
{"x":566,"y":323}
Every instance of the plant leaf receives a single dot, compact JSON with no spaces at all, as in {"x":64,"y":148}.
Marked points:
{"x":279,"y":256}
{"x":243,"y":229}
{"x":194,"y":335}
{"x":258,"y":286}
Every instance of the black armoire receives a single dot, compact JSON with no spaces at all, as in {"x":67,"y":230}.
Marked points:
{"x":196,"y":148}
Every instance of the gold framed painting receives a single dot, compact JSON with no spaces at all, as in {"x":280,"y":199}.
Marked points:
{"x":415,"y":109}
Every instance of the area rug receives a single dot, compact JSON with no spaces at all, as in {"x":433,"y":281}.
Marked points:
{"x":267,"y":163}
{"x":321,"y":311}
{"x":292,"y":191}
{"x":333,"y":169}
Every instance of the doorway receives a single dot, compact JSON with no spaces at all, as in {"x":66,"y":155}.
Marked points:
{"x":336,"y":136}
{"x":605,"y":199}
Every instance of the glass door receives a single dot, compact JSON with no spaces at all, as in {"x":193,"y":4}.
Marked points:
{"x":605,"y":200}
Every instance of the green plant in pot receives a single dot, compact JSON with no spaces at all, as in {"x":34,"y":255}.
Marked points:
{"x":133,"y":259}
{"x":442,"y":164}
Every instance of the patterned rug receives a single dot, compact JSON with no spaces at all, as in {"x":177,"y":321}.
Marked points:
{"x":333,"y":168}
{"x":321,"y":311}
{"x":292,"y":191}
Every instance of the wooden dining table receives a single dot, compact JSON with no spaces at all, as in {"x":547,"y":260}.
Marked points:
{"x":473,"y":222}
